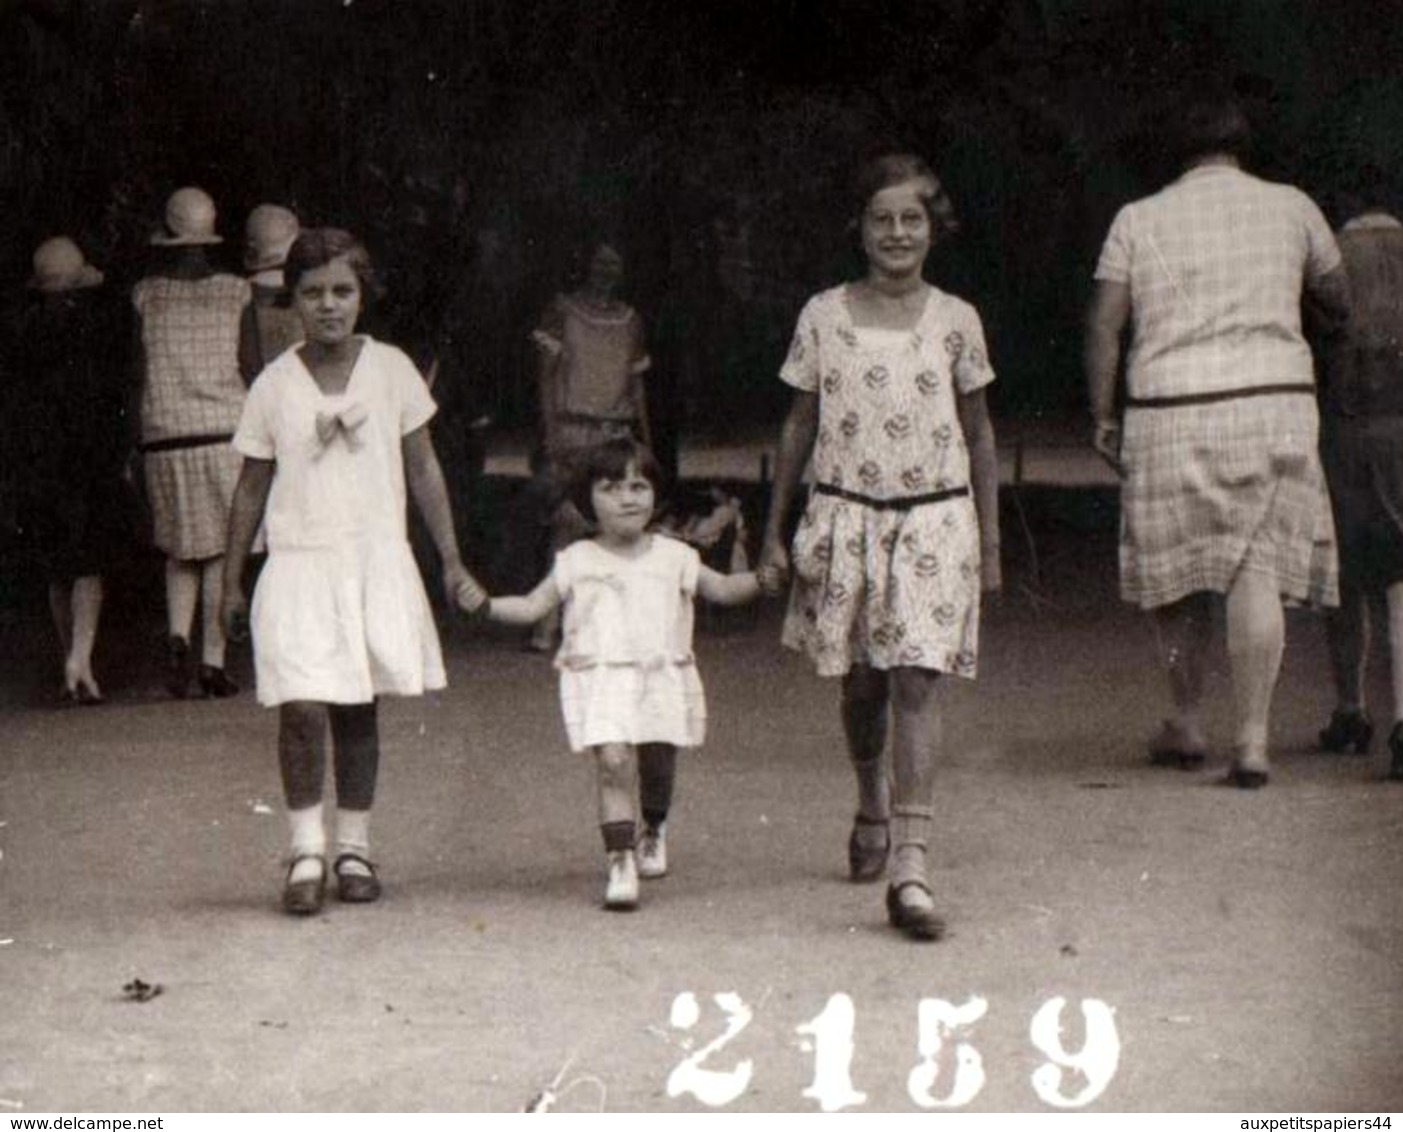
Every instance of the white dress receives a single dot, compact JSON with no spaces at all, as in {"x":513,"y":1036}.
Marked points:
{"x":627,"y":674}
{"x":340,"y":614}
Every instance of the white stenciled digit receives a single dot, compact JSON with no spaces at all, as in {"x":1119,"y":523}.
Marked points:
{"x":710,"y":1086}
{"x":832,"y":1034}
{"x":1096,"y":1062}
{"x":937,"y":1020}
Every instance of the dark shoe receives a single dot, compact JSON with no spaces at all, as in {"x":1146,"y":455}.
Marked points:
{"x":1347,"y":729}
{"x":216,"y":684}
{"x":178,"y":672}
{"x":1395,"y":746}
{"x":305,"y":897}
{"x":1168,"y":749}
{"x":866,"y":863}
{"x":918,"y":923}
{"x":1248,"y":772}
{"x":356,"y":888}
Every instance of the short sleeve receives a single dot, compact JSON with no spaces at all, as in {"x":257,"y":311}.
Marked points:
{"x":689,"y":567}
{"x":638,"y":359}
{"x":969,"y":356}
{"x":1322,"y":249}
{"x":254,"y":436}
{"x":416,"y":403}
{"x":549,"y":334}
{"x":563,"y":571}
{"x":801,"y":366}
{"x":1114,"y":264}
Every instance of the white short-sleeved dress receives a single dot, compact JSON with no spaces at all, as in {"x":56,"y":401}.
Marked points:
{"x":340,"y":614}
{"x":886,"y":557}
{"x":627,"y":674}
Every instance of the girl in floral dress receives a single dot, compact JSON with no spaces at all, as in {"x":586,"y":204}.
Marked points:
{"x":900,"y":534}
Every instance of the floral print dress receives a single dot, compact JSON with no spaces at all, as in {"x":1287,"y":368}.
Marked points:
{"x":886,"y":557}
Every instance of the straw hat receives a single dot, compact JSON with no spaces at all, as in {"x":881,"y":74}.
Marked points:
{"x":189,"y":220}
{"x":59,"y":266}
{"x":267,"y":236}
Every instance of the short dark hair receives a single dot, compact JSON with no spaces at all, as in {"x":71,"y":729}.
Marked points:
{"x":1213,"y":124}
{"x":888,"y":169}
{"x":610,"y":460}
{"x":316,"y":247}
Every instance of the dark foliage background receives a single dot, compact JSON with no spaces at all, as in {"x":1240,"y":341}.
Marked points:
{"x":474,"y":143}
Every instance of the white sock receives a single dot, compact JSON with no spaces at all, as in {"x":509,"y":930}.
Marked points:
{"x":308,"y":840}
{"x":353,"y":836}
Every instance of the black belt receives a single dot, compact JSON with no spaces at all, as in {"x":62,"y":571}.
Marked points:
{"x":900,"y":503}
{"x":589,"y":419}
{"x":177,"y":442}
{"x":1219,"y":395}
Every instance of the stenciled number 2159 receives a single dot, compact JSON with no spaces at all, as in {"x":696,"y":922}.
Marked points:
{"x":939,"y":1024}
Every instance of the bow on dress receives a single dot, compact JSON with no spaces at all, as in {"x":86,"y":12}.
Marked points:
{"x":346,"y":421}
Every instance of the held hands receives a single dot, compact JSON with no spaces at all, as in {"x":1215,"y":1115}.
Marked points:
{"x":233,"y":614}
{"x":1105,"y":439}
{"x":465,"y":591}
{"x":773,"y":571}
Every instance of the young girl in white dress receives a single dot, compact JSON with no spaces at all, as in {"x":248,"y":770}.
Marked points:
{"x":628,"y":680}
{"x":332,"y":433}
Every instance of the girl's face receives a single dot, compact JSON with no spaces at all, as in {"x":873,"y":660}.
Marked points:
{"x":623,"y":507}
{"x":896,"y":230}
{"x":606,"y":270}
{"x":328,"y":299}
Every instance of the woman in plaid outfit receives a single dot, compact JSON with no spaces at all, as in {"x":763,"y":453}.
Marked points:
{"x":1222,"y":491}
{"x":192,"y":394}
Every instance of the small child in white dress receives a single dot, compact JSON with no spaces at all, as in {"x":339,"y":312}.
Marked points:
{"x":628,"y":680}
{"x":334,"y":431}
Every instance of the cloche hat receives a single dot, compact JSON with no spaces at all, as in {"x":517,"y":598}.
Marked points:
{"x":267,"y":236}
{"x":59,"y":266}
{"x":189,"y":220}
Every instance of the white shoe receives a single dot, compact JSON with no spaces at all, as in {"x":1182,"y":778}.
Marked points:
{"x":652,"y":853}
{"x":621,"y":894}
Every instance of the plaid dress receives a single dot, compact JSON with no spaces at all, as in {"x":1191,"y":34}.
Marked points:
{"x":191,"y":399}
{"x":1216,"y":264}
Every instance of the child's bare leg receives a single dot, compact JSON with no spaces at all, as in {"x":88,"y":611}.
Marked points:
{"x":86,"y":606}
{"x":302,"y":761}
{"x":356,"y":738}
{"x":916,"y":734}
{"x":617,"y":768}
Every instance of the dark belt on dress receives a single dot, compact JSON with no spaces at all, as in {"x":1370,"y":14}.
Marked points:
{"x":590,"y":419}
{"x":1217,"y":395}
{"x":900,"y":503}
{"x":175,"y":443}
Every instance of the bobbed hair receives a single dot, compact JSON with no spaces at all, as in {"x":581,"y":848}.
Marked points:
{"x":316,"y":247}
{"x":610,"y":460}
{"x":888,"y":169}
{"x":1213,"y":123}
